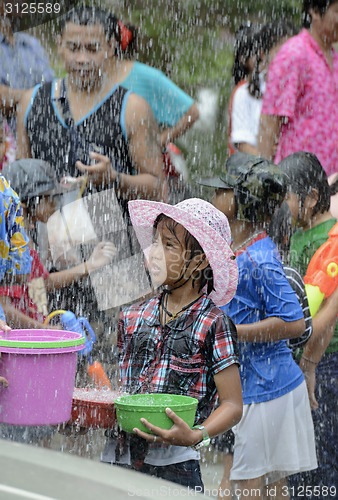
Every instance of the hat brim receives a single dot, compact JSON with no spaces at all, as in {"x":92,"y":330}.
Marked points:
{"x":143,"y":214}
{"x":227,"y":181}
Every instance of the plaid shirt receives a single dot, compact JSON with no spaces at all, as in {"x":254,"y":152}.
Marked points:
{"x":181,"y":357}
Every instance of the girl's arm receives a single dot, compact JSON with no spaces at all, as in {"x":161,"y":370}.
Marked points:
{"x":102,"y":255}
{"x":270,"y":330}
{"x":223,"y":418}
{"x":245,"y":147}
{"x":187,"y":120}
{"x":16,"y":318}
{"x":324,"y":323}
{"x":229,"y":412}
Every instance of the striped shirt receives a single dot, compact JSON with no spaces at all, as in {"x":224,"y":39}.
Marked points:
{"x":297,"y":284}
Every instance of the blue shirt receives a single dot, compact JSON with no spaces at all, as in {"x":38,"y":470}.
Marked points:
{"x":167,"y":101}
{"x":23,"y":65}
{"x":267,"y":369}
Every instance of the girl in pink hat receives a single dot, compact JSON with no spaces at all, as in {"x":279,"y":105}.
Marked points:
{"x":179,"y":341}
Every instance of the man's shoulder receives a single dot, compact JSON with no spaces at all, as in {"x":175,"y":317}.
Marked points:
{"x":28,"y":41}
{"x":293,"y":49}
{"x":137,"y":102}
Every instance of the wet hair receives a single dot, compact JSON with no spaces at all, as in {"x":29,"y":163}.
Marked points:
{"x":84,"y":16}
{"x":269,"y":36}
{"x":245,"y":46}
{"x":205,"y":276}
{"x":280,"y":229}
{"x":251,"y":41}
{"x":305,"y":173}
{"x":320,"y":6}
{"x":272,"y":33}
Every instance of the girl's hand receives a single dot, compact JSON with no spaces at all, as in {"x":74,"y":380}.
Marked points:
{"x":180,"y":433}
{"x":100,"y":170}
{"x":102,"y":255}
{"x":3,"y":381}
{"x":310,"y":379}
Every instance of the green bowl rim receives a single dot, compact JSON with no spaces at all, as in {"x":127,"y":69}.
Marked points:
{"x":122,"y":405}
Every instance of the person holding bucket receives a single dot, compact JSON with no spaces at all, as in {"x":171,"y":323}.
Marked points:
{"x":179,"y":341}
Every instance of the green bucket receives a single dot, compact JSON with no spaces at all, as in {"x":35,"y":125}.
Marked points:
{"x":129,"y":410}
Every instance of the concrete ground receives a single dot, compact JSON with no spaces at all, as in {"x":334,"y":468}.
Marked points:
{"x":91,"y":444}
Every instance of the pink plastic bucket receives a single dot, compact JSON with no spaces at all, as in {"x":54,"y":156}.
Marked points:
{"x":40,"y":367}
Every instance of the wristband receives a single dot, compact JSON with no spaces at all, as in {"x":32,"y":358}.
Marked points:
{"x":205,"y":440}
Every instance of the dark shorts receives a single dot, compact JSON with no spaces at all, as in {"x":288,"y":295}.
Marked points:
{"x":325,"y":421}
{"x":186,"y":473}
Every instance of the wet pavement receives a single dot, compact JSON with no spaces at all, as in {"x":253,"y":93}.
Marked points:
{"x":91,"y":444}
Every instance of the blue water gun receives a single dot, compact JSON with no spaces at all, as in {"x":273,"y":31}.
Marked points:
{"x":81,"y":325}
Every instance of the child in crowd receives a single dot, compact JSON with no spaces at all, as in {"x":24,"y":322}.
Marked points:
{"x":275,"y":436}
{"x":255,"y":46}
{"x":309,"y":202}
{"x":15,"y":262}
{"x":180,"y":342}
{"x":280,"y":231}
{"x":26,"y":305}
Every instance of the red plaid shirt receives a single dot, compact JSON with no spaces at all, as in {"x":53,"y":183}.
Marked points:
{"x":181,"y":357}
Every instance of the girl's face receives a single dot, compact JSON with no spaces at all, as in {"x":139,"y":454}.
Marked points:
{"x":167,"y":256}
{"x":300,"y":214}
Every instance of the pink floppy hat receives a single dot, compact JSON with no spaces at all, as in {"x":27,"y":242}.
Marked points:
{"x":207,"y":224}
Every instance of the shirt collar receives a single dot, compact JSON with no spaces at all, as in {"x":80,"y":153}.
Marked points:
{"x":182,"y":322}
{"x":314,"y":45}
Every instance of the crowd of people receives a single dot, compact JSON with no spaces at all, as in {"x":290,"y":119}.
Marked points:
{"x":223,"y":316}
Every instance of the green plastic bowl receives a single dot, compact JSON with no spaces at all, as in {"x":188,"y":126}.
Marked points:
{"x":129,"y":410}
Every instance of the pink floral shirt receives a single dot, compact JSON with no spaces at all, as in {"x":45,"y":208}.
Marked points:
{"x":302,"y":87}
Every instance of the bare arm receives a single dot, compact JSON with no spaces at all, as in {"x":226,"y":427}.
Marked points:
{"x":229,"y":412}
{"x":268,"y":135}
{"x":144,"y":150}
{"x":270,"y":330}
{"x":9,"y":98}
{"x":16,"y":318}
{"x":223,"y":418}
{"x":23,"y":149}
{"x":187,"y":120}
{"x":101,"y":256}
{"x":323,"y":323}
{"x":245,"y":147}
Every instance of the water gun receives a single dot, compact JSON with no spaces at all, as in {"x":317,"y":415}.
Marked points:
{"x":81,"y":325}
{"x":321,"y":278}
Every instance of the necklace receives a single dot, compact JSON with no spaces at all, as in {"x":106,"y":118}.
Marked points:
{"x":245,"y":242}
{"x":174,"y":315}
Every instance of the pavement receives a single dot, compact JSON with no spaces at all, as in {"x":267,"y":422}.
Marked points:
{"x":38,"y":473}
{"x":91,"y":444}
